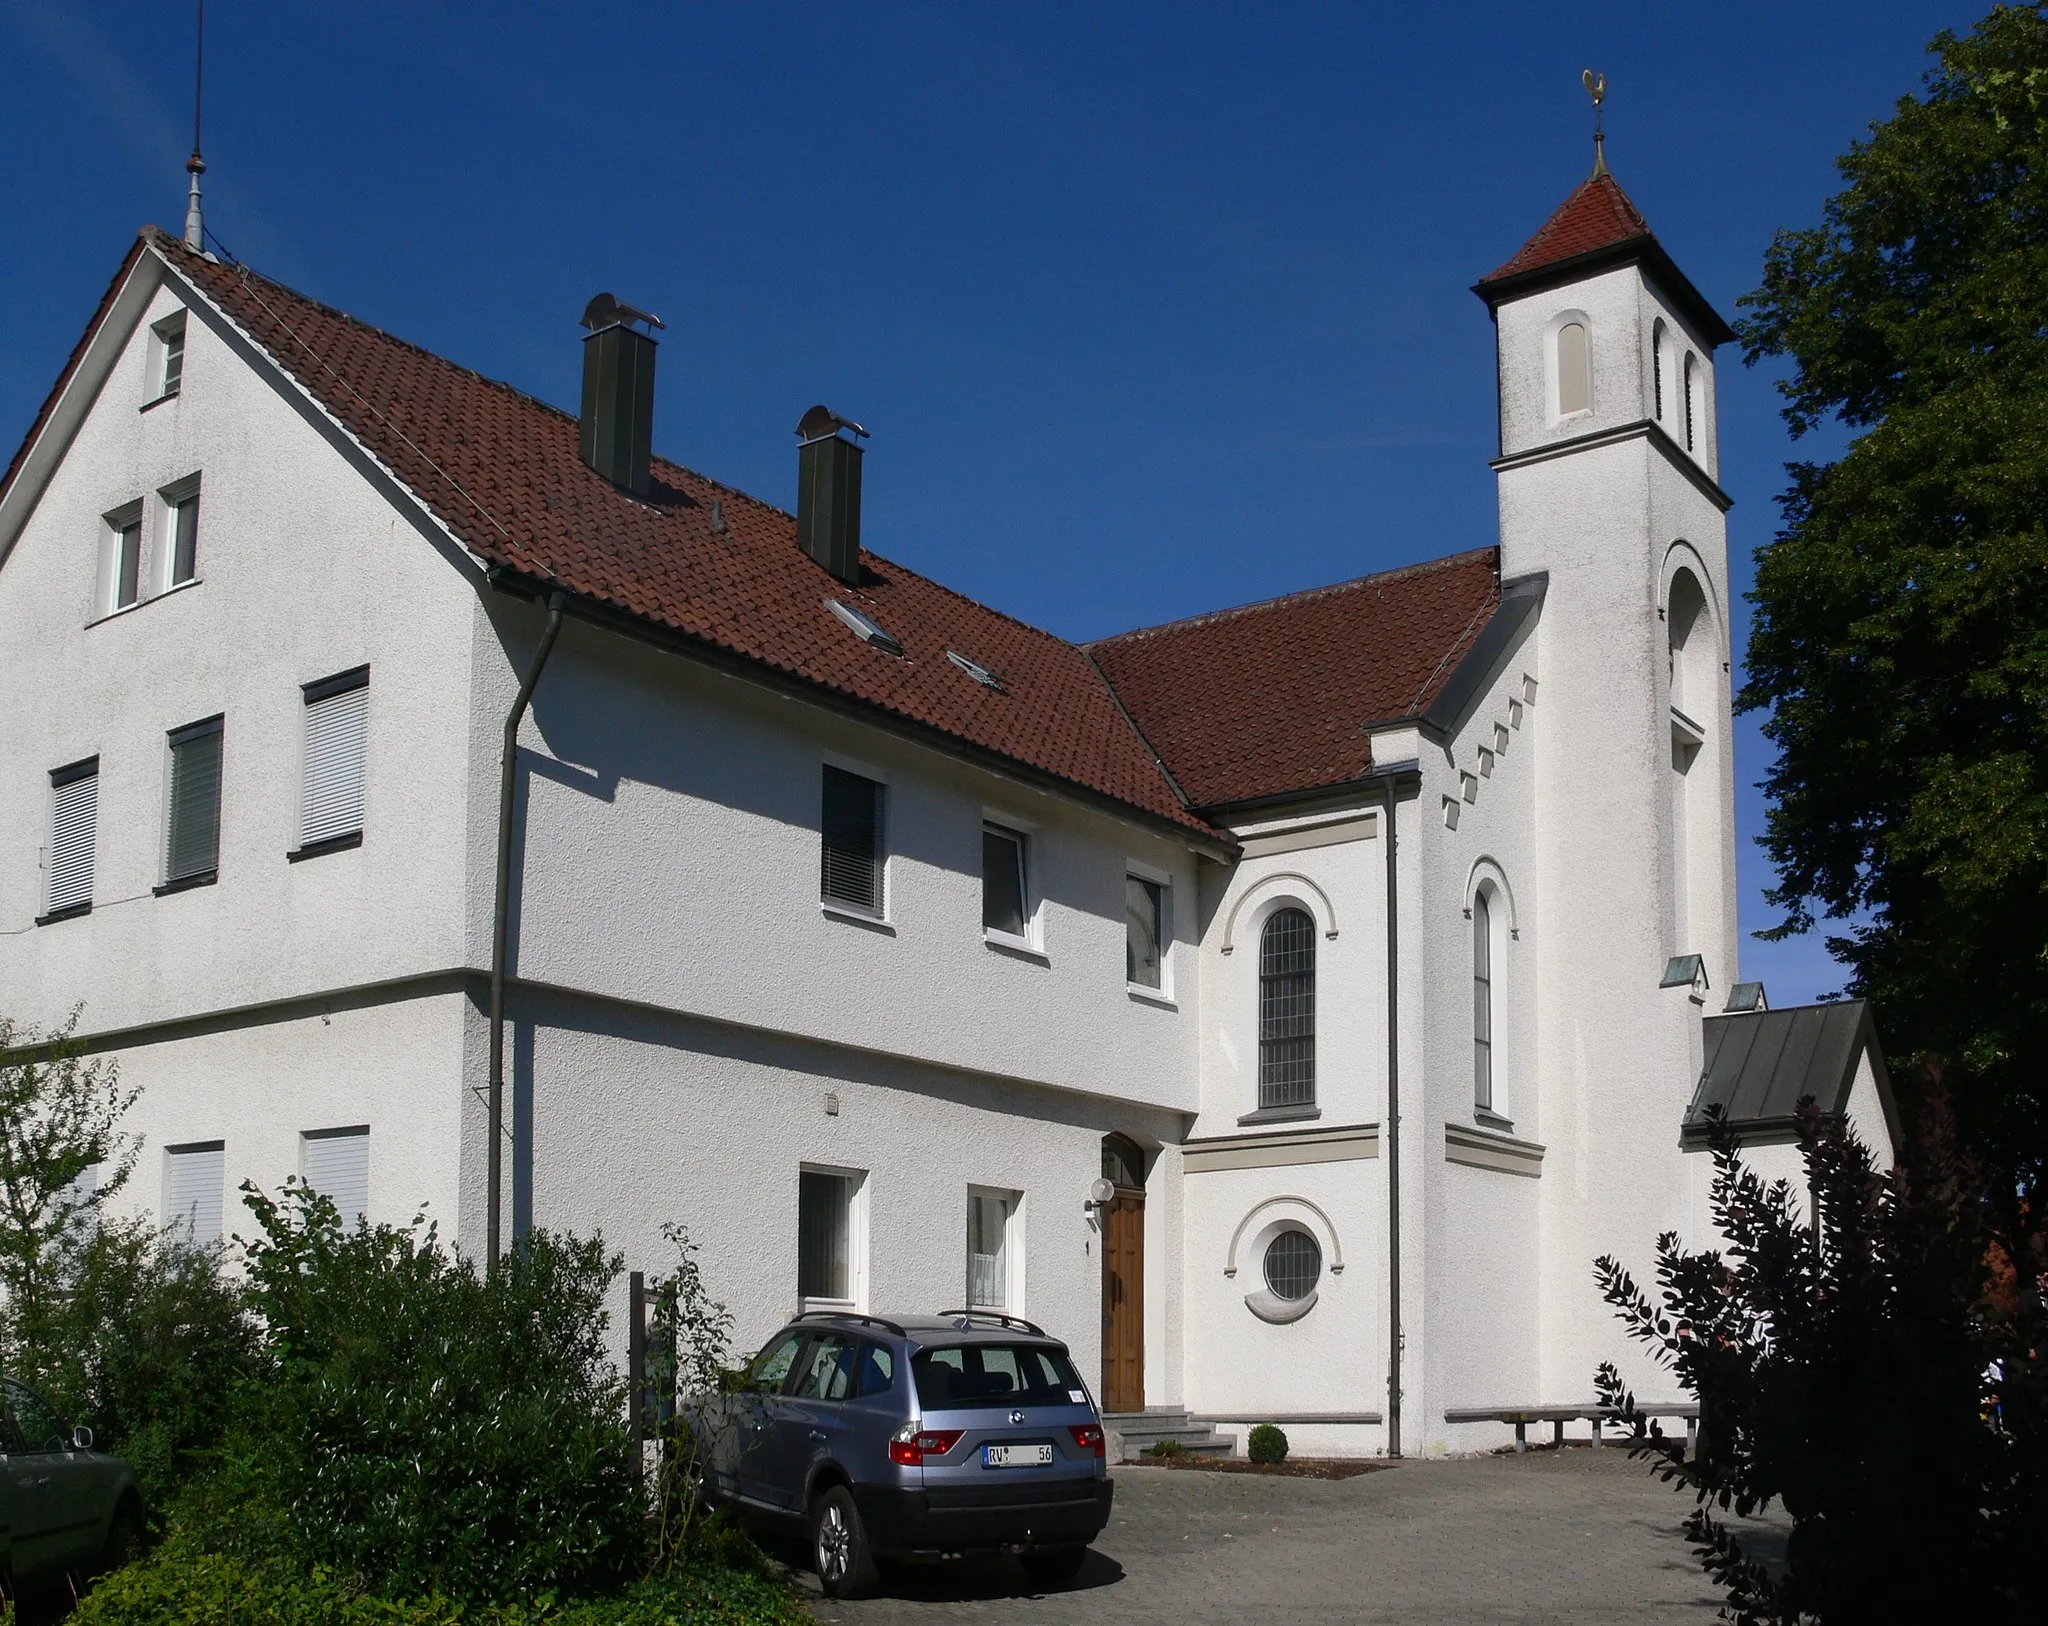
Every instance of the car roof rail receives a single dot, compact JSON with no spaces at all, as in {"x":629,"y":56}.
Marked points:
{"x":853,"y":1315}
{"x":1016,"y":1321}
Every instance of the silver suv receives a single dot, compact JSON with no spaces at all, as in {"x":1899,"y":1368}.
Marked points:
{"x":922,"y":1437}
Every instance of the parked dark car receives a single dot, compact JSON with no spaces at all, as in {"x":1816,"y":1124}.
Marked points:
{"x":63,"y":1505}
{"x":922,"y":1437}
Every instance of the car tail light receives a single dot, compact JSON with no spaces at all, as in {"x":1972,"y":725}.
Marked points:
{"x":1088,"y":1436}
{"x":910,"y":1445}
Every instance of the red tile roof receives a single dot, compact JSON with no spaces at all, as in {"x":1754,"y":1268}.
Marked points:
{"x":1279,"y":696}
{"x":1598,"y":215}
{"x":502,"y":471}
{"x":1257,"y":701}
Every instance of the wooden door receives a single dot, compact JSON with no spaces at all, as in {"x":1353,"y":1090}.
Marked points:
{"x":1123,"y":1302}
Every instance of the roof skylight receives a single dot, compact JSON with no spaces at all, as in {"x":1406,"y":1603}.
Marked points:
{"x":865,"y":627}
{"x":974,"y":669}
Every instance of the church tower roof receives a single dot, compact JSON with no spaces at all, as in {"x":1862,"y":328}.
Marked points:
{"x":1599,"y":215}
{"x":1595,"y":229}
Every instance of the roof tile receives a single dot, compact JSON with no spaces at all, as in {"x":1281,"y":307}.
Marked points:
{"x":1598,"y":215}
{"x":1279,"y":697}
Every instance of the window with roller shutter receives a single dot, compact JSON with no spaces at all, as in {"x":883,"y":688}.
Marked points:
{"x":331,"y":800}
{"x":74,"y":829}
{"x":336,"y":1163}
{"x":192,"y":834}
{"x":852,"y":863}
{"x":192,"y":1188}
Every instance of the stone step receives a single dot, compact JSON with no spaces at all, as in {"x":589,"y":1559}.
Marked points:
{"x":1135,"y":1432}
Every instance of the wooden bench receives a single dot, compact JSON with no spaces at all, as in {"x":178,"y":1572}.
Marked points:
{"x":1557,"y":1416}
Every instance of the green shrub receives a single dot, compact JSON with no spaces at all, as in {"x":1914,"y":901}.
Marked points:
{"x":1166,"y":1448}
{"x":427,"y":1430}
{"x":1266,"y":1444}
{"x":148,"y":1349}
{"x":180,"y":1585}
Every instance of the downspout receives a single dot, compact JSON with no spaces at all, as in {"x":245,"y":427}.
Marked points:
{"x":501,"y":917}
{"x":1393,"y":1139}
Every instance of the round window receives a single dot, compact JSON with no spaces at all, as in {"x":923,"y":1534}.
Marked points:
{"x":1293,"y":1263}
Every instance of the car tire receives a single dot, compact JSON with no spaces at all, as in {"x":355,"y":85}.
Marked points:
{"x":124,"y":1540}
{"x":839,"y":1546}
{"x":1054,"y":1566}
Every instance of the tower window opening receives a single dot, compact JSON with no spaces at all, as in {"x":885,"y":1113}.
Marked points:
{"x":1692,"y":413}
{"x":1657,"y":342}
{"x":1574,"y":383}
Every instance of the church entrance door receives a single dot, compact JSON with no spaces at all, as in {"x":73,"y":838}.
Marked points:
{"x":1123,"y":1278}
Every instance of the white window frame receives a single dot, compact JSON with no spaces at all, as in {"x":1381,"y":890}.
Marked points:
{"x":1505,"y":1061}
{"x":161,"y":333}
{"x":885,"y":812}
{"x":107,"y":590}
{"x":1012,"y":1203}
{"x":61,"y":780}
{"x":352,"y":1132}
{"x":195,"y":1149}
{"x":1553,"y":368}
{"x":163,"y":542}
{"x":354,"y":681}
{"x":856,"y":1240}
{"x":1164,"y":993}
{"x":1031,"y":939}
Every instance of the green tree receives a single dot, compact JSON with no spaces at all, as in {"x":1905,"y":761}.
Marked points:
{"x":1851,"y":1367}
{"x":1900,"y":642}
{"x":62,"y":1153}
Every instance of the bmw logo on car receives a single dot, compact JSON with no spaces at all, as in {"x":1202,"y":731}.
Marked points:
{"x":1016,"y":1417}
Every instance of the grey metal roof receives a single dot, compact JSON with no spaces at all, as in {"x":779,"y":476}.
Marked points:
{"x":1761,"y":1064}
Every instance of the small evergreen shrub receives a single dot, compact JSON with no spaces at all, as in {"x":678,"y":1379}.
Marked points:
{"x":1266,"y":1444}
{"x":1166,"y":1448}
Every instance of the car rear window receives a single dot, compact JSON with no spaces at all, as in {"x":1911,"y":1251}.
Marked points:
{"x":1010,"y":1374}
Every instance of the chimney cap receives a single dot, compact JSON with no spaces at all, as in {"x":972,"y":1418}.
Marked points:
{"x":605,"y":311}
{"x":821,"y":421}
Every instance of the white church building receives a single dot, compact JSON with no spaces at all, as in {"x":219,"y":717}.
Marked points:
{"x":1283,"y":1006}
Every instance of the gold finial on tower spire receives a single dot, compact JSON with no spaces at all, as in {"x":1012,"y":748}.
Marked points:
{"x":1596,"y":87}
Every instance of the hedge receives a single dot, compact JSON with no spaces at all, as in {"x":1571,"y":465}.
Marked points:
{"x":181,"y":1586}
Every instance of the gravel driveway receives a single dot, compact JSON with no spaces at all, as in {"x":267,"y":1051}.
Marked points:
{"x":1583,"y":1536}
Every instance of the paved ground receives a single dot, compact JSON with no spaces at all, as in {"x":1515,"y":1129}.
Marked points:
{"x":1584,"y":1536}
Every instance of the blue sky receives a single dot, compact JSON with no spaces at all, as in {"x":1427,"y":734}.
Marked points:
{"x":1151,"y":308}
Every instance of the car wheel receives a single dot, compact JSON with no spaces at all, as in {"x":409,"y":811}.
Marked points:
{"x":839,"y":1546}
{"x":124,"y":1539}
{"x":1054,"y":1566}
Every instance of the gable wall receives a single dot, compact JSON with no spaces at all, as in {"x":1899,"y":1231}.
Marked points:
{"x":304,"y":570}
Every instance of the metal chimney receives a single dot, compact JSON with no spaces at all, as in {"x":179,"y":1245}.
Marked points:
{"x":617,"y":433}
{"x":828,"y":492}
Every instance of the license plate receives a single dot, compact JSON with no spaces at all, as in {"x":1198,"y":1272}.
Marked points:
{"x":1016,"y":1456}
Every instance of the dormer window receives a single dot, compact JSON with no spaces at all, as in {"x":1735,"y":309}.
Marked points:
{"x":1574,"y":370}
{"x":168,"y":369}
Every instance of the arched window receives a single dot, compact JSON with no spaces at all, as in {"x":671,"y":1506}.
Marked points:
{"x":1689,"y":657}
{"x":1482,"y":999}
{"x":1657,"y":343}
{"x":1287,"y":1010}
{"x":1574,"y":381}
{"x":1692,"y":408}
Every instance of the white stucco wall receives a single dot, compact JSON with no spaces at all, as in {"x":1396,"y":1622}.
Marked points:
{"x":303,"y":571}
{"x":390,"y":1064}
{"x":638,"y":1117}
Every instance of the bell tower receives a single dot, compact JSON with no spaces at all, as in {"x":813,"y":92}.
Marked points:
{"x":1608,"y":481}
